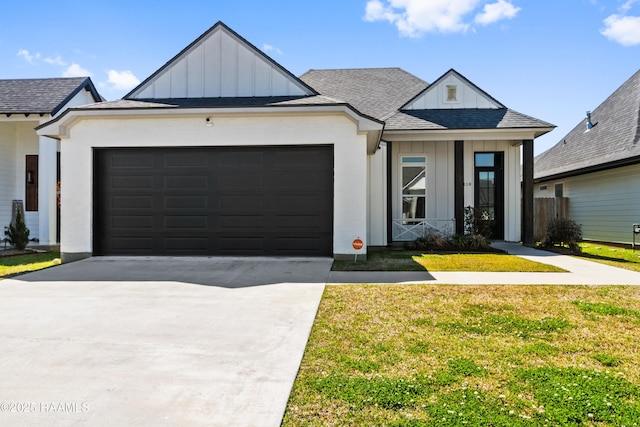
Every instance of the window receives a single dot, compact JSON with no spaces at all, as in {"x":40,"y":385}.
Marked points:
{"x":414,"y":188}
{"x":559,"y":190}
{"x":452,"y":93}
{"x":31,"y":183}
{"x":543,"y":188}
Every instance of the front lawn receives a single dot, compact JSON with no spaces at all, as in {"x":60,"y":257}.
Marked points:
{"x":401,"y":260}
{"x":12,"y":265}
{"x":424,"y":355}
{"x":611,"y":255}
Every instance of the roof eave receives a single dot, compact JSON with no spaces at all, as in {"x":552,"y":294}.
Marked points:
{"x":60,"y":127}
{"x":589,"y":169}
{"x":462,"y":134}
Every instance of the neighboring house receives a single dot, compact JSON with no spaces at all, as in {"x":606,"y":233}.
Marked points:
{"x":597,"y":167}
{"x":222,"y":151}
{"x":29,"y":163}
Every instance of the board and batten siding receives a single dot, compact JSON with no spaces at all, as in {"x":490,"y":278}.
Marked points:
{"x":441,"y":175}
{"x":7,"y":172}
{"x":377,"y":197}
{"x":27,"y":143}
{"x":512,"y":179}
{"x":220,"y":65}
{"x":436,"y":96}
{"x":606,"y":204}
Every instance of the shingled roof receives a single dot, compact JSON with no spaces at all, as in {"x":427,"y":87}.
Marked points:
{"x":613,"y":141}
{"x":463,"y":118}
{"x":376,"y":92}
{"x":41,"y":96}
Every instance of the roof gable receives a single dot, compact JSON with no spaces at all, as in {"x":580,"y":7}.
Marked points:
{"x":220,"y":63}
{"x":42,"y":96}
{"x":438,"y":95}
{"x":614,"y":139}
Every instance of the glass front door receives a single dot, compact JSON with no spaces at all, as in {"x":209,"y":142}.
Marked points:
{"x":489,"y":191}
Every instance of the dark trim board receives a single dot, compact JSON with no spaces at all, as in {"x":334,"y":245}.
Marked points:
{"x":459,"y":187}
{"x":214,"y":201}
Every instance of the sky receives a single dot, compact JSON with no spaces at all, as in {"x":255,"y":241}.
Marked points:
{"x":550,"y":59}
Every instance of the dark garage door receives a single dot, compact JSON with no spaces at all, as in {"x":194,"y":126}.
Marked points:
{"x":214,"y":201}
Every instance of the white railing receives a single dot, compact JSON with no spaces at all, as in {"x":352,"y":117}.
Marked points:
{"x":405,"y":230}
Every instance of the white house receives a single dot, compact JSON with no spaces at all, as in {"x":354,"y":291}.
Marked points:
{"x":29,"y":163}
{"x":222,"y":151}
{"x":597,"y":167}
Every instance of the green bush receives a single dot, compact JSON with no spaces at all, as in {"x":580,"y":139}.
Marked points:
{"x":477,"y":222}
{"x":563,"y":232}
{"x":18,"y":234}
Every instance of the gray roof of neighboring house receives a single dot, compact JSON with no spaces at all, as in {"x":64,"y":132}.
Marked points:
{"x":613,"y":141}
{"x":41,"y":96}
{"x":376,"y":92}
{"x":469,"y":118}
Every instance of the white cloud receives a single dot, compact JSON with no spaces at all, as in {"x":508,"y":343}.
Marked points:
{"x":31,"y":59}
{"x":413,"y":18}
{"x":75,"y":70}
{"x":55,"y":61}
{"x":268,"y":48}
{"x":495,"y":12}
{"x":122,"y":80}
{"x":622,"y":29}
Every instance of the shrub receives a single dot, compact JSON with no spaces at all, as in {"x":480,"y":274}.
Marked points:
{"x":477,"y":222}
{"x":563,"y":232}
{"x":18,"y":234}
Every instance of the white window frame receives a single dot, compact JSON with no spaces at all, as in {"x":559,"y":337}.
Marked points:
{"x":401,"y":194}
{"x":445,"y":95}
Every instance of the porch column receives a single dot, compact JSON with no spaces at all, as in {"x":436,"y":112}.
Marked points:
{"x":527,"y":192}
{"x":459,"y":186}
{"x":47,"y":158}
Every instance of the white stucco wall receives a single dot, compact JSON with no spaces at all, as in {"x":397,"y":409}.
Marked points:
{"x":377,"y":196}
{"x":350,"y":160}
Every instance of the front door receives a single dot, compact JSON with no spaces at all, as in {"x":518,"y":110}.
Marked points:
{"x":489,"y":191}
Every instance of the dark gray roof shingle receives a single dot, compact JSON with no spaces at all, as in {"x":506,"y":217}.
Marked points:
{"x":40,"y":96}
{"x":376,"y":92}
{"x":614,"y":138}
{"x":502,"y":118}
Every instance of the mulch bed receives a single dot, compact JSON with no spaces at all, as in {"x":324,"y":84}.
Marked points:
{"x":14,"y":252}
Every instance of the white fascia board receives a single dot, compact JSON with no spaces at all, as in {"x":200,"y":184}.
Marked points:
{"x":60,"y":128}
{"x":464,"y":134}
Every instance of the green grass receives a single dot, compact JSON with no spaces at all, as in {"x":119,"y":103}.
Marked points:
{"x":387,"y":355}
{"x":12,"y":265}
{"x":400,"y":260}
{"x":611,"y":255}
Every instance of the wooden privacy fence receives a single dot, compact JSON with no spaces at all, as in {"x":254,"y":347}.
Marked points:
{"x":545,"y":209}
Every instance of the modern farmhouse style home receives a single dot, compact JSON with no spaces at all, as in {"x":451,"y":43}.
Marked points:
{"x":222,"y":151}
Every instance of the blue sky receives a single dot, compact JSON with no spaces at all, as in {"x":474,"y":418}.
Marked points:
{"x":550,"y":59}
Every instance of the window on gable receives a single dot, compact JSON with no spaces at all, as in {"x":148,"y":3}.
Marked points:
{"x":452,"y":93}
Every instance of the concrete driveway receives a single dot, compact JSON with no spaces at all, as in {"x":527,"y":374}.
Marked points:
{"x":156,"y":341}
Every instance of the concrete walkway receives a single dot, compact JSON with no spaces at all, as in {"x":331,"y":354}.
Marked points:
{"x":580,"y":272}
{"x":156,"y":341}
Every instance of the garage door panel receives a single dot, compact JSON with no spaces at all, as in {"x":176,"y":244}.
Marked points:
{"x":188,"y":182}
{"x":246,"y":200}
{"x":186,"y":222}
{"x":182,"y":160}
{"x":185,"y":202}
{"x":132,"y":222}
